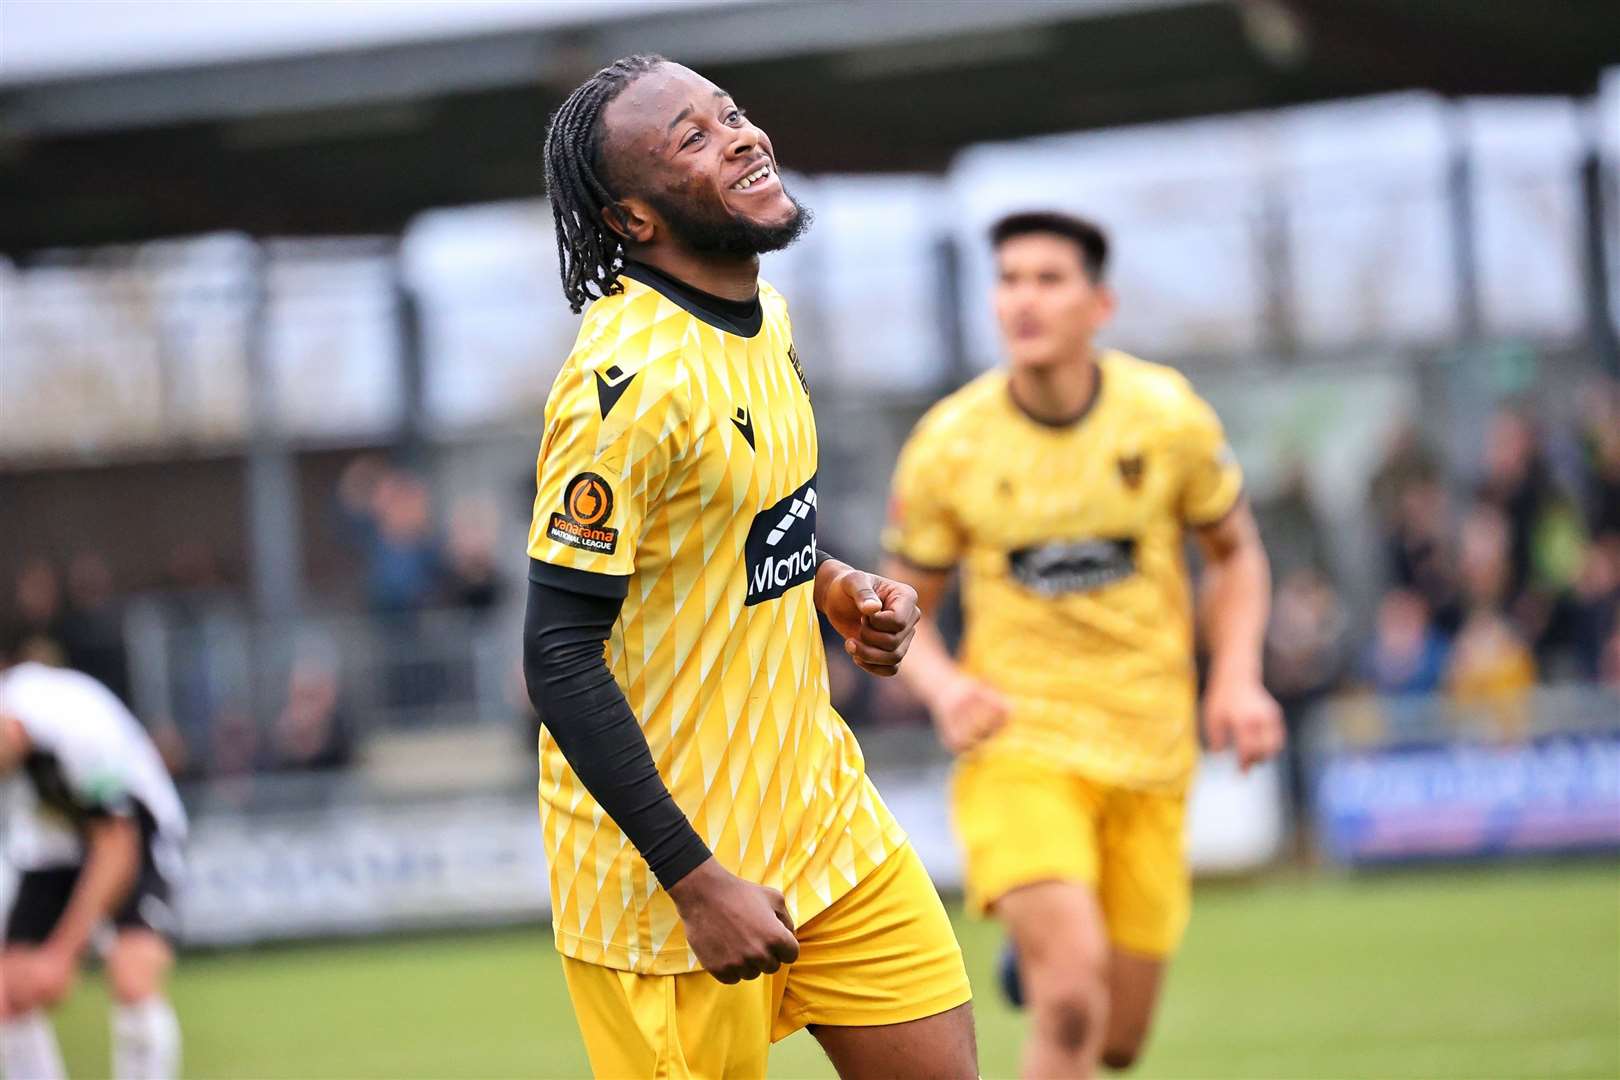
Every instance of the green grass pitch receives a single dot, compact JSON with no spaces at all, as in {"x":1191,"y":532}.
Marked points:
{"x":1433,"y":973}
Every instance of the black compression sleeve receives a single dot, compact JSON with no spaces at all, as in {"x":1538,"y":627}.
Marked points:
{"x":588,"y":716}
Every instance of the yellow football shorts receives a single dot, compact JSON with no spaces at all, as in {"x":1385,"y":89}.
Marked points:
{"x":1021,"y":822}
{"x":884,"y":953}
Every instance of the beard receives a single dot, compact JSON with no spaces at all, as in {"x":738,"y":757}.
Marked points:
{"x":712,"y":231}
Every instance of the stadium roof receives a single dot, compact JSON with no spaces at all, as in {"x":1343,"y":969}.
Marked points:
{"x":322,"y":138}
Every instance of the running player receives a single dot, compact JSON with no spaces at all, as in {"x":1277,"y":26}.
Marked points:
{"x":723,"y":872}
{"x":94,"y":829}
{"x":1062,"y":486}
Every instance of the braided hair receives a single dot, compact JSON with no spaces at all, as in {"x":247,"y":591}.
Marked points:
{"x":589,"y":254}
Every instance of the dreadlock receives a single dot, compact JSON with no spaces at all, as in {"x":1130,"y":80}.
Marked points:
{"x":589,"y":254}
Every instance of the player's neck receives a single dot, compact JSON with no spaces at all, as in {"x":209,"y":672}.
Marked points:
{"x":1056,"y":394}
{"x":729,"y":279}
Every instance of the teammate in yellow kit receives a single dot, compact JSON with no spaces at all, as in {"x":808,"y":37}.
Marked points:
{"x":706,"y":814}
{"x":1061,"y":487}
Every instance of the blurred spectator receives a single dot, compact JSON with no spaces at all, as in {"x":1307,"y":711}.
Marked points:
{"x":389,"y":513}
{"x":173,"y":749}
{"x":1609,"y":662}
{"x":37,"y":598}
{"x":1484,"y":571}
{"x":40,"y":650}
{"x":1407,"y":462}
{"x":234,"y":749}
{"x":93,"y":628}
{"x":233,"y":758}
{"x":472,"y":579}
{"x":194,"y":605}
{"x":1293,"y":536}
{"x":312,"y":731}
{"x":1601,"y":443}
{"x":1546,"y":538}
{"x":1489,"y":664}
{"x":1590,"y":612}
{"x":193,"y":569}
{"x":1418,"y":538}
{"x":1407,"y":655}
{"x":1517,"y":482}
{"x":1306,"y":655}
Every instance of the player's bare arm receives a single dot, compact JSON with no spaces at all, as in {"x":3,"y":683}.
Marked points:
{"x":112,"y":859}
{"x":877,"y":616}
{"x":965,"y":710}
{"x":1235,"y":600}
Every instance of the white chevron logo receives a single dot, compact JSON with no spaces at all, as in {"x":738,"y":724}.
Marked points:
{"x":799,"y":508}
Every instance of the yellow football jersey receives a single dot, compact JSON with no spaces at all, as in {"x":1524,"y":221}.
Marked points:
{"x":1074,"y":581}
{"x":680,"y":457}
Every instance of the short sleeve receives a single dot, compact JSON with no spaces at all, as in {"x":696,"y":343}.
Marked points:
{"x":611,"y":442}
{"x":922,"y":528}
{"x":1211,"y":480}
{"x":77,"y":723}
{"x":99,"y":782}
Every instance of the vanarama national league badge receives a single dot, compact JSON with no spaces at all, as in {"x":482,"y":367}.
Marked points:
{"x":587,"y":505}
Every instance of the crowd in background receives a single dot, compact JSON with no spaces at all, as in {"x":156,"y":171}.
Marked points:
{"x":409,"y":559}
{"x":217,"y":681}
{"x":72,"y":616}
{"x":1498,"y":576}
{"x":1511,"y":579}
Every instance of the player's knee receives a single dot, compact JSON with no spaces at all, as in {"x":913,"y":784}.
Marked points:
{"x":1071,"y":1019}
{"x":1073,"y":1008}
{"x":135,"y":971}
{"x":130,"y":986}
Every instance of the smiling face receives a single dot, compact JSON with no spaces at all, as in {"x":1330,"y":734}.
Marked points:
{"x":691,"y":170}
{"x":1047,"y":304}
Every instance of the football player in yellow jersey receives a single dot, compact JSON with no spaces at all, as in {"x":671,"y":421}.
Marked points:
{"x":723,"y":873}
{"x":1061,"y":487}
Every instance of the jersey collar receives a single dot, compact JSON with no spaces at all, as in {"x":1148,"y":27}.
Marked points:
{"x":740,"y":317}
{"x":1070,"y":422}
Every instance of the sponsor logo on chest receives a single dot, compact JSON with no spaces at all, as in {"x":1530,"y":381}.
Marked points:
{"x":780,"y":551}
{"x":1075,"y":566}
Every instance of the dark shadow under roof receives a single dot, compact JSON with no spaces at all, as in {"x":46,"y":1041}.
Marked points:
{"x":359,"y":142}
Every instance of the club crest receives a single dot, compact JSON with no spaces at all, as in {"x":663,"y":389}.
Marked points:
{"x":1131,"y":467}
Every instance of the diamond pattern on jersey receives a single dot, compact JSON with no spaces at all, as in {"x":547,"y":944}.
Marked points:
{"x":731,"y":690}
{"x":1078,"y":606}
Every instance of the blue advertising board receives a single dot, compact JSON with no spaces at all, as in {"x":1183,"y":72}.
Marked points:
{"x":1555,"y":793}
